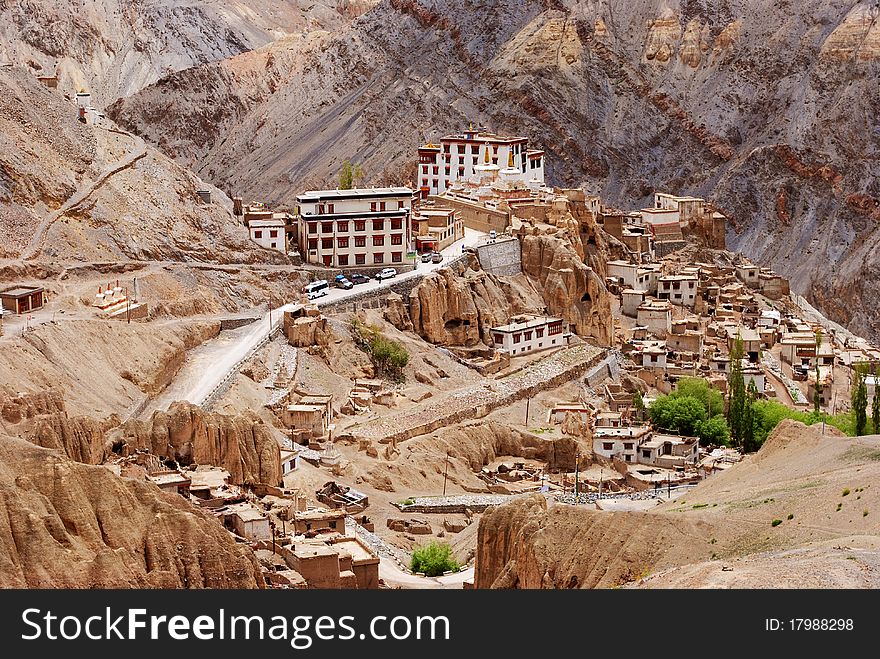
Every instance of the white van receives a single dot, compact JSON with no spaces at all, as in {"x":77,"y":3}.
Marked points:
{"x":493,"y":235}
{"x":316,"y":287}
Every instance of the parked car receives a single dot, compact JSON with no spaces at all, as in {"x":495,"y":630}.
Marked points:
{"x":357,"y":278}
{"x":426,"y":257}
{"x":316,"y":293}
{"x":493,"y":235}
{"x":436,"y":257}
{"x":385,"y":273}
{"x":343,"y":283}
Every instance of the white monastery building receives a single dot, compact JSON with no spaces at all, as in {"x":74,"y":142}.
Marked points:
{"x":350,"y":228}
{"x":471,"y":153}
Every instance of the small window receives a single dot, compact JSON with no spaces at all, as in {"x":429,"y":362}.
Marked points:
{"x":342,"y":243}
{"x":258,"y":234}
{"x":360,"y":225}
{"x":326,"y":243}
{"x":313,"y":227}
{"x":360,"y":259}
{"x":327,"y":227}
{"x":378,"y":257}
{"x":397,"y":239}
{"x":607,"y":445}
{"x":343,"y":259}
{"x":378,"y":225}
{"x":313,"y":243}
{"x":396,"y":223}
{"x":273,"y":234}
{"x":342,"y":227}
{"x":396,"y":257}
{"x":360,"y":241}
{"x":378,"y":241}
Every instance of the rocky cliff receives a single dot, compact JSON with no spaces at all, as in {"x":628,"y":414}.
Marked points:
{"x":527,"y":544}
{"x":767,"y":109}
{"x":243,"y":444}
{"x":70,"y":525}
{"x":459,"y":308}
{"x":572,"y":290}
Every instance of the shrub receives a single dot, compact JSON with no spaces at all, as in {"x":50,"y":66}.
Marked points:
{"x":407,"y":502}
{"x":388,"y":356}
{"x":776,"y":522}
{"x":845,"y":491}
{"x":864,"y":513}
{"x":790,"y":516}
{"x":433,"y":560}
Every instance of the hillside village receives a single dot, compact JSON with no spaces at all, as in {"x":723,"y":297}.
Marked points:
{"x":433,"y":352}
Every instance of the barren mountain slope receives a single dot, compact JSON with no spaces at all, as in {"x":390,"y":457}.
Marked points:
{"x":68,"y":525}
{"x":769,"y":109}
{"x":821,"y":489}
{"x":70,"y":191}
{"x":115,"y":47}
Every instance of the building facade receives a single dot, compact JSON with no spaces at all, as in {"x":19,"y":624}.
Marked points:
{"x":435,"y":229}
{"x":354,"y":228}
{"x":462,"y":155}
{"x":529,"y":333}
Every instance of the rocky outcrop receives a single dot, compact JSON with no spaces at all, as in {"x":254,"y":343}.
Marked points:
{"x":82,"y":438}
{"x":571,"y":289}
{"x":478,"y":444}
{"x":528,"y":544}
{"x":397,"y":313}
{"x":243,"y":444}
{"x":451,"y":309}
{"x":856,"y":37}
{"x":70,"y":525}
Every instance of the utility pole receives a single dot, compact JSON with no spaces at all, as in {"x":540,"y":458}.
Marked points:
{"x":668,"y":486}
{"x":601,"y":479}
{"x":577,"y":461}
{"x":528,"y":400}
{"x":445,"y":472}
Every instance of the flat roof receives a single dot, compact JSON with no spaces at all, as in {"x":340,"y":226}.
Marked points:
{"x":169,"y":478}
{"x":305,"y":408}
{"x":319,"y":513}
{"x":355,"y":193}
{"x":312,"y":399}
{"x":246,"y":513}
{"x":274,"y":222}
{"x":355,"y":549}
{"x":535,"y":321}
{"x":21,"y":291}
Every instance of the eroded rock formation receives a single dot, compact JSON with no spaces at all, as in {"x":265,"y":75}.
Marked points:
{"x":451,"y":309}
{"x":243,"y":444}
{"x":68,"y":525}
{"x":526,"y":544}
{"x":571,"y":289}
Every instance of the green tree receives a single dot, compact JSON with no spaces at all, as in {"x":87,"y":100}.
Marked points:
{"x":736,"y":388}
{"x":433,"y":559}
{"x":700,"y":389}
{"x":875,"y":403}
{"x":818,"y":389}
{"x":859,"y":396}
{"x":681,"y":415}
{"x":749,"y":421}
{"x":350,"y":175}
{"x":714,"y":431}
{"x":639,"y":405}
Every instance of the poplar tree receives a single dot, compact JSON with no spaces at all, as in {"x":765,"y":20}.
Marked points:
{"x":875,"y":403}
{"x":859,"y":397}
{"x":736,"y":390}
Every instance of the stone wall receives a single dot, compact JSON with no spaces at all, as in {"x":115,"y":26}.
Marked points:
{"x":502,"y":258}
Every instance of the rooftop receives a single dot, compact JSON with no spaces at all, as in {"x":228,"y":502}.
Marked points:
{"x":529,"y":322}
{"x":21,"y":291}
{"x":356,"y":193}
